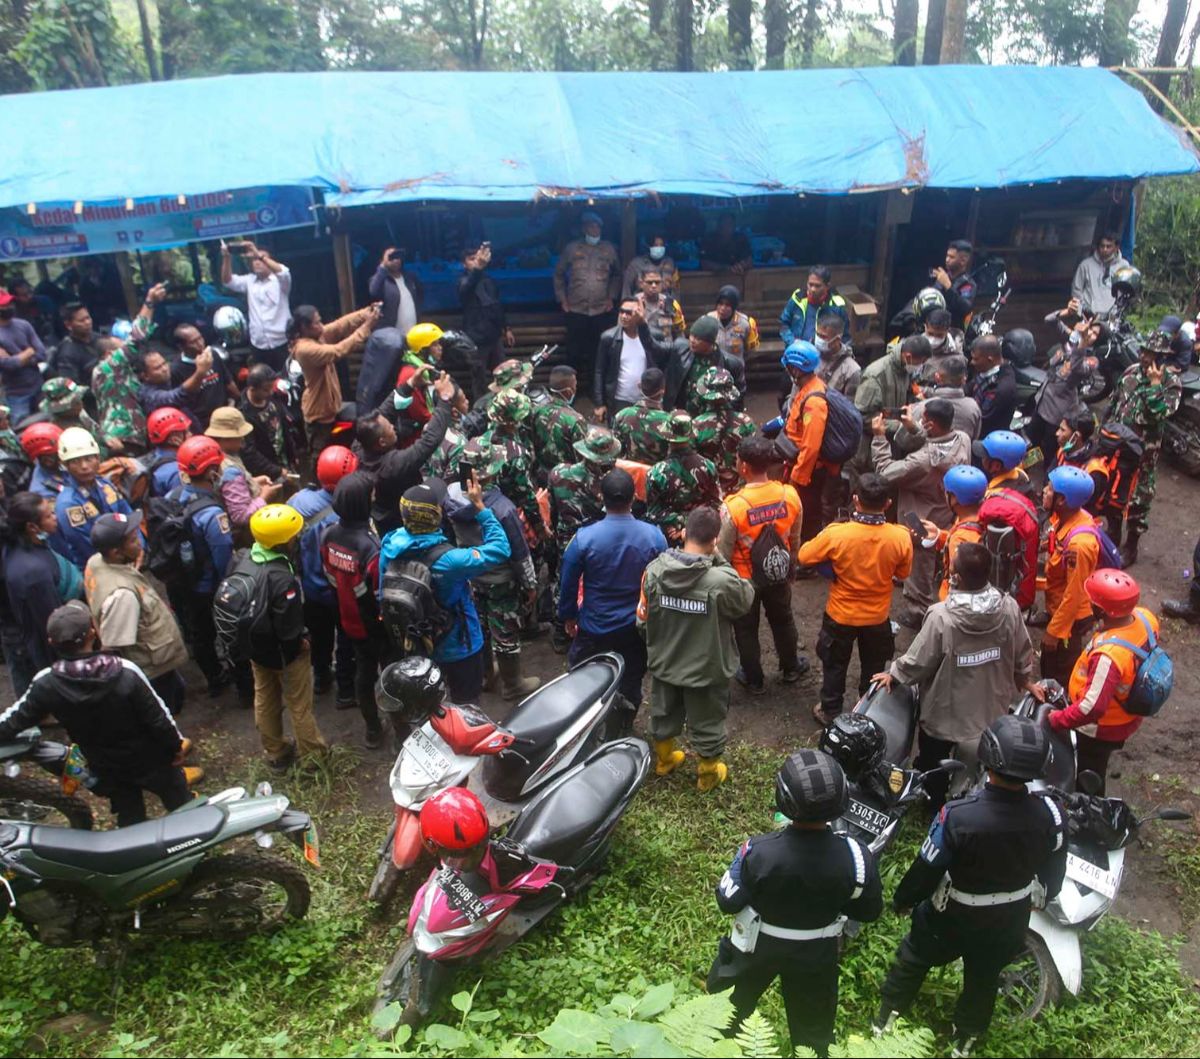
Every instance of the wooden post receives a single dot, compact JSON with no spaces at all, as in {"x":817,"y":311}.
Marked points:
{"x":125,"y":271}
{"x":973,"y":217}
{"x":343,"y":266}
{"x":879,"y":255}
{"x":628,"y":231}
{"x":895,"y":208}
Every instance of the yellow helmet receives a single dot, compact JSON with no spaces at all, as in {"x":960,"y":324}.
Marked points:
{"x":421,"y":336}
{"x":275,"y":524}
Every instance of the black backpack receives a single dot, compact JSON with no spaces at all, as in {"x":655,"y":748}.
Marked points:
{"x":170,"y":552}
{"x":239,"y":606}
{"x":770,"y":561}
{"x":412,"y":615}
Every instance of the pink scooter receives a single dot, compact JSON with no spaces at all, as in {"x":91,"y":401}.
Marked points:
{"x":555,"y":846}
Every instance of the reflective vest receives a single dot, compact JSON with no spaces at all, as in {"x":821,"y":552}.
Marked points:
{"x":754,"y":507}
{"x":1125,"y":662}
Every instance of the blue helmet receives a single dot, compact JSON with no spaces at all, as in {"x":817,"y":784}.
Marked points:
{"x":966,"y":484}
{"x":1002,"y":445}
{"x":1073,"y":484}
{"x":801,"y":355}
{"x":121,"y":329}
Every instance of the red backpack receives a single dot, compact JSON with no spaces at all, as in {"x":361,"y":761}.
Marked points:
{"x":1010,"y":534}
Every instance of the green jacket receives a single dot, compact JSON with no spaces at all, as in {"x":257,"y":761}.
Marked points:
{"x":688,"y":606}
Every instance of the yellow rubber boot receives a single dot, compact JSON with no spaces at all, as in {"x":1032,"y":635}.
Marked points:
{"x":194,"y":774}
{"x":710,"y":773}
{"x":669,"y":759}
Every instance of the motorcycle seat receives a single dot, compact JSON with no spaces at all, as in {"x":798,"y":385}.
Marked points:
{"x":558,"y":823}
{"x":895,"y":712}
{"x":127,"y":848}
{"x":1060,"y":772}
{"x":541,"y":718}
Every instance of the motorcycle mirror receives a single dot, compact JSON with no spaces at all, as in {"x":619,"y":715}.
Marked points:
{"x":1088,"y":782}
{"x":949,"y":764}
{"x":1173,"y":814}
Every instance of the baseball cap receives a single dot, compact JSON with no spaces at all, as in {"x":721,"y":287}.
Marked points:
{"x":6,"y":299}
{"x":69,"y":624}
{"x":109,"y":531}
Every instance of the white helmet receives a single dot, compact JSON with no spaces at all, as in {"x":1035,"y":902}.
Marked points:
{"x":230,"y":324}
{"x":75,"y":442}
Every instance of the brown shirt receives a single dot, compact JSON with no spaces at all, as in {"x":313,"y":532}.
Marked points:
{"x":318,"y":361}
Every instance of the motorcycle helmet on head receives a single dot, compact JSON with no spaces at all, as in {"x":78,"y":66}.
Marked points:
{"x":855,"y":742}
{"x":411,"y":689}
{"x":811,"y":787}
{"x":453,"y":821}
{"x":1113,"y":591}
{"x":1019,"y":347}
{"x":1015,"y":748}
{"x":927,"y":299}
{"x":420,"y":337}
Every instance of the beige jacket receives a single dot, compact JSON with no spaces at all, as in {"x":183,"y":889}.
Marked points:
{"x":318,"y":361}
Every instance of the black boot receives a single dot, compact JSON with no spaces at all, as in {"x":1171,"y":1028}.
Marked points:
{"x":1129,"y":553}
{"x":1182,"y":609}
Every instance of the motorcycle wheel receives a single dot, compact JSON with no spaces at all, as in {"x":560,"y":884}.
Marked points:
{"x":38,"y":801}
{"x":1030,"y":984}
{"x":386,"y":881}
{"x":236,"y":896}
{"x":413,"y":982}
{"x":1181,"y":443}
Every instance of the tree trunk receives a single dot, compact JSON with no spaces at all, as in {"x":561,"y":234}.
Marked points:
{"x":658,"y":9}
{"x":740,"y":55}
{"x":935,"y":17}
{"x":1115,"y":47}
{"x":170,"y":35}
{"x":954,"y":32}
{"x":147,"y":41}
{"x":775,"y":23}
{"x":808,"y":32}
{"x":904,"y":37}
{"x":683,"y":36}
{"x":1168,"y":47}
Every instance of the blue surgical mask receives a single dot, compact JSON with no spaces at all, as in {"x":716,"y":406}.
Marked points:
{"x":657,"y":253}
{"x":591,"y":240}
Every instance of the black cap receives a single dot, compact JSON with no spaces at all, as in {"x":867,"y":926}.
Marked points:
{"x":110,"y":531}
{"x":69,"y":625}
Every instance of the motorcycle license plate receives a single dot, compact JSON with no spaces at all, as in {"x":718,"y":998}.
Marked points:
{"x":1093,"y":876}
{"x":867,"y":818}
{"x":427,"y":754}
{"x":312,"y":849}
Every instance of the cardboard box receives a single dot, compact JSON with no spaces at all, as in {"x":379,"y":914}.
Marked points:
{"x":864,"y":312}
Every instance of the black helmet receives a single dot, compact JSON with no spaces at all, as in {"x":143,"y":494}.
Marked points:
{"x":855,"y":742}
{"x":811,"y":787}
{"x":411,"y":688}
{"x":1126,"y":280}
{"x":1019,"y":347}
{"x":1015,"y":747}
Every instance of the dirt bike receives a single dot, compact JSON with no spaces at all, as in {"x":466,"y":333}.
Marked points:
{"x":43,"y":801}
{"x":159,"y":877}
{"x":1181,"y":433}
{"x":553,"y":729}
{"x":554,"y":848}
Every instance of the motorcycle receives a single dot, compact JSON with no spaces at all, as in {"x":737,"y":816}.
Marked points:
{"x":40,"y":801}
{"x":71,"y":887}
{"x":1181,"y":433}
{"x":547,"y":733}
{"x":554,"y":848}
{"x":1116,"y":350}
{"x":991,"y":275}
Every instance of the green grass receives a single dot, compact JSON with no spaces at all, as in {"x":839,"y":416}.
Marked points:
{"x":651,"y":918}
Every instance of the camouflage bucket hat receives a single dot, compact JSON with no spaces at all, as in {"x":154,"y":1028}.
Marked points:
{"x":1159,"y":342}
{"x":509,"y":406}
{"x":676,"y":429}
{"x":599,"y":445}
{"x":59,"y":394}
{"x":715,"y":386}
{"x":487,"y":460}
{"x":510,"y":373}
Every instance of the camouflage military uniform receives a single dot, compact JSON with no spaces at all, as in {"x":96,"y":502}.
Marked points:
{"x":720,"y":429}
{"x":635,"y":429}
{"x":575,"y":498}
{"x":684,"y":480}
{"x":59,"y":398}
{"x":556,"y":428}
{"x":507,"y":375}
{"x":1145,"y":408}
{"x":444,"y":461}
{"x":507,"y":412}
{"x":115,"y":385}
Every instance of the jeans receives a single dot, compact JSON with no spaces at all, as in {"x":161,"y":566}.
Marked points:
{"x":776,"y":600}
{"x":464,"y":679}
{"x":204,"y":635}
{"x":626,"y":642}
{"x":21,"y":405}
{"x":324,"y":633}
{"x":276,"y":356}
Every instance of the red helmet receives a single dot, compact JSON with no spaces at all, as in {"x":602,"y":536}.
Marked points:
{"x":454,"y":820}
{"x":198,"y":454}
{"x":1113,"y":591}
{"x":40,"y":439}
{"x":334,"y":464}
{"x":163,"y":422}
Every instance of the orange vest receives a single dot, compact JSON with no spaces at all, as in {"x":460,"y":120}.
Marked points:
{"x":638,"y":472}
{"x":1125,"y":661}
{"x":756,"y":506}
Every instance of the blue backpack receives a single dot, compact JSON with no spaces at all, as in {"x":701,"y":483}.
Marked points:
{"x":1110,"y":554}
{"x":1155,"y":674}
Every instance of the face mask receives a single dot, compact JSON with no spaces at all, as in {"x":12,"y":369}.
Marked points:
{"x":657,"y":253}
{"x":822,"y":345}
{"x":914,"y":370}
{"x":560,"y":393}
{"x":936,"y":343}
{"x":591,"y":240}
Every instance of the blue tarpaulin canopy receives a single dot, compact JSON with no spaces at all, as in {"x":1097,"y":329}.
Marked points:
{"x":385,"y":137}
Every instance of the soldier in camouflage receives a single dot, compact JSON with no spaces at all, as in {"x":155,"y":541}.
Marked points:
{"x":443,"y":462}
{"x":501,"y":592}
{"x":721,"y":427}
{"x":507,"y":414}
{"x":1147,"y":395}
{"x":681,"y":482}
{"x":507,"y":375}
{"x":556,"y":425}
{"x":636,"y":425}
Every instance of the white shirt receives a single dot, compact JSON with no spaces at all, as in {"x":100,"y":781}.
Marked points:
{"x":406,"y":315}
{"x":630,"y":369}
{"x":267,"y":299}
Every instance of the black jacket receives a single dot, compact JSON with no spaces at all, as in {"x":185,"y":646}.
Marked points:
{"x":259,"y":454}
{"x":608,"y":361}
{"x":74,"y":360}
{"x":682,"y":359}
{"x":31,"y":579}
{"x":483,"y":311}
{"x":382,"y":287}
{"x":108,"y":707}
{"x":997,"y":399}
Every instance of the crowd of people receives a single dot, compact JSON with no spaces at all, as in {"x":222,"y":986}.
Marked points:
{"x":156,"y":501}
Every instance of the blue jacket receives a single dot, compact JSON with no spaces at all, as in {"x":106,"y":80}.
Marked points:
{"x":610,"y":556}
{"x":31,"y":576}
{"x":212,"y":538}
{"x":452,"y":573}
{"x":49,"y":486}
{"x":309,"y":502}
{"x":799,"y":319}
{"x":78,"y":509}
{"x":165,"y":477}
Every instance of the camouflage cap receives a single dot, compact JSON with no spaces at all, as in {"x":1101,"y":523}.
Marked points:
{"x":509,"y":406}
{"x":1158,"y":342}
{"x":599,"y":445}
{"x":487,"y":460}
{"x":510,"y":373}
{"x":715,"y":386}
{"x":676,"y":429}
{"x":59,"y":394}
